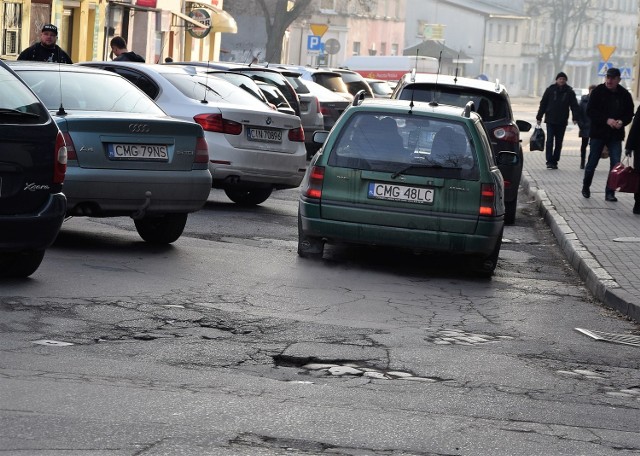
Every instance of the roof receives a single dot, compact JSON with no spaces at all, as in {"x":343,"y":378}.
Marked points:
{"x":448,"y":80}
{"x":432,"y":48}
{"x":494,"y":8}
{"x":402,"y":106}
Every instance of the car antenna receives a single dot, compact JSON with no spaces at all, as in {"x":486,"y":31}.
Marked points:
{"x":413,"y":79}
{"x":206,"y":85}
{"x":435,"y":87}
{"x":455,"y":78}
{"x":61,"y":111}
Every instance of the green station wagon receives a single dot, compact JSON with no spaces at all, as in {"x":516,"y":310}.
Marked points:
{"x":419,"y":176}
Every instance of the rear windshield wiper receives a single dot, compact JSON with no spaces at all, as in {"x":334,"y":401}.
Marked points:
{"x":16,"y":113}
{"x":414,"y":166}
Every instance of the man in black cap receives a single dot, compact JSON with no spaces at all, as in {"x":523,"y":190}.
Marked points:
{"x":46,"y":50}
{"x":610,"y":109}
{"x":554,"y":106}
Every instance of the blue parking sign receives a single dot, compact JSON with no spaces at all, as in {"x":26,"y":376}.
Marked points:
{"x":314,"y":43}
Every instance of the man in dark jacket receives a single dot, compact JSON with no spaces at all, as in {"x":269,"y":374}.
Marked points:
{"x":119,"y":49}
{"x":46,"y":50}
{"x":610,"y":109}
{"x":554,"y":106}
{"x":633,"y":147}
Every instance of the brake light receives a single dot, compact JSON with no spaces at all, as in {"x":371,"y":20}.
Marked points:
{"x":296,"y":135}
{"x":488,"y":199}
{"x":318,"y":108}
{"x":325,"y":111}
{"x":60,"y":167}
{"x":314,"y":185}
{"x":508,"y":133}
{"x":202,"y":151}
{"x":217,"y":124}
{"x":71,"y":149}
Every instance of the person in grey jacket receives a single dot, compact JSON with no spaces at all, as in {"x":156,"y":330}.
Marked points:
{"x":585,"y":125}
{"x":554,"y":106}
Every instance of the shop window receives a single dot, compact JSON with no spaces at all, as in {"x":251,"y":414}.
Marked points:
{"x":11,"y":20}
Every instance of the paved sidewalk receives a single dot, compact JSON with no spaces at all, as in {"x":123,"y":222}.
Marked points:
{"x":600,"y":239}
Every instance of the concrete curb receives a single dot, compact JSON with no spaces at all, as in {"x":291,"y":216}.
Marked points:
{"x":596,"y":278}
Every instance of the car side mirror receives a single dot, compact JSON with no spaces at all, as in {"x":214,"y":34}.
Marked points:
{"x":320,"y":136}
{"x":523,"y":125}
{"x":507,"y":158}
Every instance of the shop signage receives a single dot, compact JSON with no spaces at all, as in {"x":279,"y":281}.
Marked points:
{"x":202,"y":16}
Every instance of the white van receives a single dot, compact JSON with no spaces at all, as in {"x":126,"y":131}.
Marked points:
{"x":390,"y":68}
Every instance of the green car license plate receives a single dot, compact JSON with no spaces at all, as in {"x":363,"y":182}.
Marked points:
{"x":138,"y":152}
{"x":393,"y":192}
{"x":263,"y":135}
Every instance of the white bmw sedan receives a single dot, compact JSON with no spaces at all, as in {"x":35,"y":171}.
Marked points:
{"x":253,"y":149}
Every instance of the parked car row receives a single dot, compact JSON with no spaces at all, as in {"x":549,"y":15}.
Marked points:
{"x":155,"y":138}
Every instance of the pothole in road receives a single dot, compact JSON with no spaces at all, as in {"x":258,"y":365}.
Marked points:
{"x":345,"y":368}
{"x":459,"y":337}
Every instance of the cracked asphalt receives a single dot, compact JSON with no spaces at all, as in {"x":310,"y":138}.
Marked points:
{"x":227,"y":343}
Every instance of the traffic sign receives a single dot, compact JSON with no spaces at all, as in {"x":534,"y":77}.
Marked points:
{"x":313,"y":43}
{"x":606,"y":51}
{"x":603,"y":67}
{"x":319,"y":29}
{"x":625,"y":72}
{"x":332,"y":46}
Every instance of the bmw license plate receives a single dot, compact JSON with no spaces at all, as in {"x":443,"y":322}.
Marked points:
{"x":401,"y":193}
{"x":138,"y":152}
{"x":263,"y":135}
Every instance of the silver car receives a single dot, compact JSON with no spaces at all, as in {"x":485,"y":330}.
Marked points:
{"x":253,"y":149}
{"x":125,"y":156}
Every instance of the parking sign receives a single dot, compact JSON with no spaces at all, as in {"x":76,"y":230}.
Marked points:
{"x":313,"y":43}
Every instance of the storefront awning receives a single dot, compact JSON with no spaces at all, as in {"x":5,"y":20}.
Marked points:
{"x":221,"y":21}
{"x":189,"y":20}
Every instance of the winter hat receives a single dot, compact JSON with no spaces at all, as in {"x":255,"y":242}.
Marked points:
{"x":562,"y":75}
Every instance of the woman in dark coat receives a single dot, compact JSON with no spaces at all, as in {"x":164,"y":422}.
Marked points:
{"x":585,"y":125}
{"x":633,"y":147}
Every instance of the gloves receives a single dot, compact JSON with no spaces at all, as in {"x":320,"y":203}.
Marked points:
{"x":628,"y":152}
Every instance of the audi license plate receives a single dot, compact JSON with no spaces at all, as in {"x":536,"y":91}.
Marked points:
{"x":401,"y":193}
{"x":138,"y":152}
{"x":262,"y":135}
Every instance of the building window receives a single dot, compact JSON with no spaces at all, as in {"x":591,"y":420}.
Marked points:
{"x":383,"y":48}
{"x":327,"y":5}
{"x":394,"y":49}
{"x":11,"y":21}
{"x":490,"y":38}
{"x":356,"y":48}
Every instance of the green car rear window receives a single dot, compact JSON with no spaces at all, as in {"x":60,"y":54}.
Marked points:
{"x":17,"y":104}
{"x":418,"y":144}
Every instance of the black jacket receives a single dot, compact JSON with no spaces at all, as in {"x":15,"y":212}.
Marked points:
{"x":606,"y":104}
{"x":633,"y":140}
{"x":39,"y":53}
{"x":129,"y":57}
{"x":584,"y":122}
{"x":555,"y":104}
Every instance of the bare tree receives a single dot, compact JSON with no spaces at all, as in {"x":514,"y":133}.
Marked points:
{"x":565,"y":18}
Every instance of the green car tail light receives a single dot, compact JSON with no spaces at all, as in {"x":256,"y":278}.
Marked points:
{"x":314,"y":185}
{"x":488,"y":200}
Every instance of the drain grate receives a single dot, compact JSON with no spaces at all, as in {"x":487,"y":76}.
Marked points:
{"x":625,"y":339}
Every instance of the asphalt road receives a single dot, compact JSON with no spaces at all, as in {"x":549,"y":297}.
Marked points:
{"x":227,"y":343}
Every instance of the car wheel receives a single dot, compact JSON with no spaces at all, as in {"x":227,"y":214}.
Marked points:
{"x":510,"y":211}
{"x":309,"y":246}
{"x":485,"y":266}
{"x":20,"y":264}
{"x":251,"y":197}
{"x":161,"y":229}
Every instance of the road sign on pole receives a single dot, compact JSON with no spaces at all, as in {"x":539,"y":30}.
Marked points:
{"x":606,"y":51}
{"x":319,"y":29}
{"x":313,"y":43}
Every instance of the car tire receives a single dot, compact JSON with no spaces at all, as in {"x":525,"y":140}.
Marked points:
{"x":510,"y":211}
{"x":162,"y":229}
{"x":250,"y":197}
{"x":20,"y":264}
{"x":309,"y":246}
{"x":484,"y":267}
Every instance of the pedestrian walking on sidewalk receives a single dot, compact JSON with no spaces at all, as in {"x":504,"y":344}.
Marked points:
{"x":633,"y":147}
{"x":556,"y":101}
{"x":610,"y":109}
{"x":585,"y":125}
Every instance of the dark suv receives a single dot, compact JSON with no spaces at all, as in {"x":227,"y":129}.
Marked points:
{"x":33,"y":160}
{"x":492,"y":103}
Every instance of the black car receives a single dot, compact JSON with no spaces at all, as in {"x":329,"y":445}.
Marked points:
{"x":355,"y":82}
{"x":33,"y":160}
{"x":492,"y":103}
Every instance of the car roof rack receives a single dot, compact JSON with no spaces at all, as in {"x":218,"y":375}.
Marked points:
{"x":470,"y":106}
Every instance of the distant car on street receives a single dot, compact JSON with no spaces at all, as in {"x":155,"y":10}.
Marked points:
{"x":126,"y":157}
{"x":33,"y":160}
{"x":253,"y":149}
{"x":380,"y":88}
